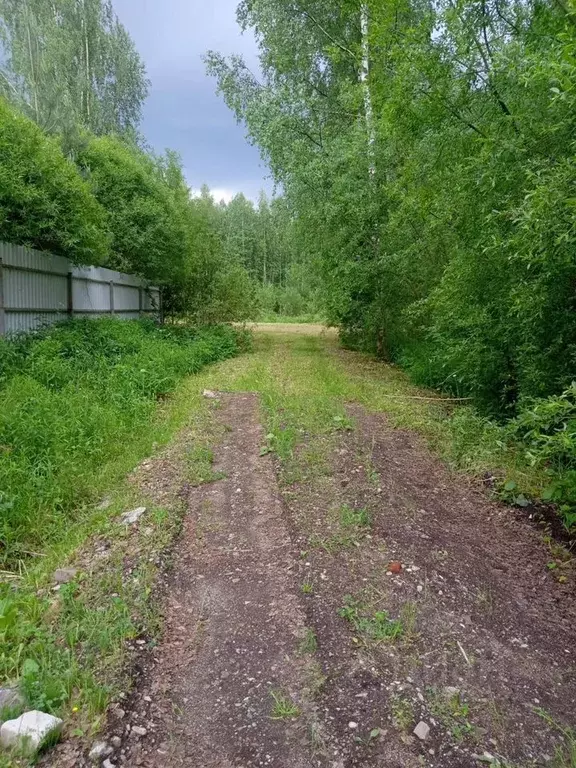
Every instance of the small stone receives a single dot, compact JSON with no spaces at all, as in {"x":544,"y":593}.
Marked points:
{"x":100,"y":750}
{"x":138,"y":730}
{"x":451,"y":691}
{"x":352,"y":725}
{"x":422,"y":730}
{"x":29,"y":731}
{"x":129,"y":518}
{"x":10,"y":698}
{"x":108,"y":764}
{"x":419,"y":588}
{"x":65,"y":575}
{"x":209,"y":394}
{"x":116,"y":741}
{"x":395,"y":567}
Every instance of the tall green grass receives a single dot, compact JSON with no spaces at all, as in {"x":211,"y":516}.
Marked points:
{"x":70,"y":398}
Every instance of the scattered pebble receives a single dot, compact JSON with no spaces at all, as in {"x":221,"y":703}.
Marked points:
{"x":100,"y":750}
{"x":131,"y":517}
{"x":65,"y":575}
{"x":422,"y":730}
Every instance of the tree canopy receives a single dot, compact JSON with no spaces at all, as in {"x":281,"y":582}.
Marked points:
{"x":426,"y":150}
{"x":71,"y":63}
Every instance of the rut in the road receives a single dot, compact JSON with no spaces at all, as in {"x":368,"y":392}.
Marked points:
{"x":233,"y":623}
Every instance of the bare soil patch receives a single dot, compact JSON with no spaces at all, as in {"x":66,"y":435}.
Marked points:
{"x":290,"y":641}
{"x":487,"y":649}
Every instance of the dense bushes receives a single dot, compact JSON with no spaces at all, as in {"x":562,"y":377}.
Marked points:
{"x":148,"y":227}
{"x":43,"y":201}
{"x":70,"y":397}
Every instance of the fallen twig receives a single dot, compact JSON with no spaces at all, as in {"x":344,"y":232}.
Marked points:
{"x":430,"y":399}
{"x":459,"y":644}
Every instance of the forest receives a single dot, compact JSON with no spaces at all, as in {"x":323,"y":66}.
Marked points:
{"x":423,"y":161}
{"x":77,"y":177}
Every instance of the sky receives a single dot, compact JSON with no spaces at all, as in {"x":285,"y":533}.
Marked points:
{"x":183,"y":111}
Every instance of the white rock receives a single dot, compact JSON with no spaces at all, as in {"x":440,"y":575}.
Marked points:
{"x":352,"y":725}
{"x":422,"y":730}
{"x":138,"y":730}
{"x":64,"y":575}
{"x":129,"y":518}
{"x":108,"y":764}
{"x":29,"y":731}
{"x":100,"y":750}
{"x":116,"y":741}
{"x":209,"y":394}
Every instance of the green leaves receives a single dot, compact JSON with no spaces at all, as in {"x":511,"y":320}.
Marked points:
{"x":44,"y":203}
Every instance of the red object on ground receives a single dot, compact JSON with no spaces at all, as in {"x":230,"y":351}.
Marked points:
{"x":395,"y":567}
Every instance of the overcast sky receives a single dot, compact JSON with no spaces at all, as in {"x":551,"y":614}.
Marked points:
{"x":183,"y":111}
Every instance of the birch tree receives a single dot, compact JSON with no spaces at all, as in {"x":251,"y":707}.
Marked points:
{"x":71,"y":62}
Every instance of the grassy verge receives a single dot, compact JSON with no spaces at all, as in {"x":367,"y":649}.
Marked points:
{"x":271,"y":317}
{"x":76,"y":406}
{"x":66,"y":646}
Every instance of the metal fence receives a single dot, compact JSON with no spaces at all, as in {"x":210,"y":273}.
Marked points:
{"x":39,"y":289}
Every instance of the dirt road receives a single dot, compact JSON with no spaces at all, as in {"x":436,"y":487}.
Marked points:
{"x":340,"y":597}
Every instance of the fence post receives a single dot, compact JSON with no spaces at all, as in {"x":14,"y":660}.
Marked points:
{"x":69,"y":286}
{"x":140,"y":302}
{"x":2,"y":313}
{"x":111,"y":297}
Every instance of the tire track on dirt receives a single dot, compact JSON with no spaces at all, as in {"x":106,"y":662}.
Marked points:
{"x":232,"y":624}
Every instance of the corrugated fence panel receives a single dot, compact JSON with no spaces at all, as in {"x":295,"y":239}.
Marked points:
{"x":24,"y":322}
{"x":26,"y":258}
{"x":88,"y":298}
{"x":151,"y":300}
{"x":126,"y":298}
{"x":34,"y":290}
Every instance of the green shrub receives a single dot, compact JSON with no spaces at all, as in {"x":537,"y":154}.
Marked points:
{"x":72,"y":396}
{"x":547,"y":430}
{"x":148,"y":227}
{"x":44,"y":203}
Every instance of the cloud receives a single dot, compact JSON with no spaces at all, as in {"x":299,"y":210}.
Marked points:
{"x":183,"y":111}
